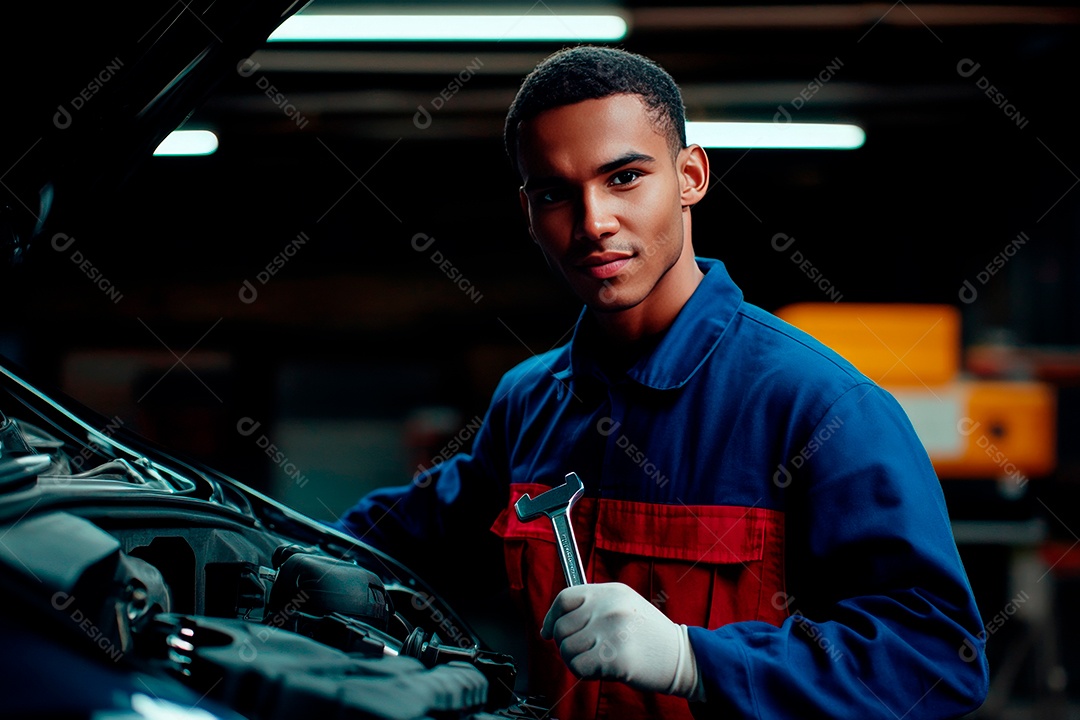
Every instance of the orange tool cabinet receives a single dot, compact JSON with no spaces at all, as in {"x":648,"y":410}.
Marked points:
{"x":973,"y":428}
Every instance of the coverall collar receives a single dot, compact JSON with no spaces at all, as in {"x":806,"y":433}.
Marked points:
{"x":684,"y":347}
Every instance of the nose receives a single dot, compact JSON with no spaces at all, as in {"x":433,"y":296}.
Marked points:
{"x":597,"y":218}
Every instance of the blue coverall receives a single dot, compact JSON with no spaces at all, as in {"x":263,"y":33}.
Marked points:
{"x":753,"y":485}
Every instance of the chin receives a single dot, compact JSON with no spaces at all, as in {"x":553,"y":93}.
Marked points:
{"x":614,"y":303}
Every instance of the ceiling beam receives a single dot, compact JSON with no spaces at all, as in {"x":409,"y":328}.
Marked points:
{"x":846,"y":16}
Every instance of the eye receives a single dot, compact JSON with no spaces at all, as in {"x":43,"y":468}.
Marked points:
{"x":625,"y":177}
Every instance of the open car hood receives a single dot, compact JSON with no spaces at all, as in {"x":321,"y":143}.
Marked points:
{"x":138,"y":577}
{"x":96,"y":87}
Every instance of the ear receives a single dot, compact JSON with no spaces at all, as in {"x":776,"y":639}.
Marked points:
{"x":693,"y":168}
{"x":524,"y":200}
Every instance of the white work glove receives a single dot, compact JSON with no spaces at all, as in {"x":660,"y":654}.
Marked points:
{"x":606,"y":630}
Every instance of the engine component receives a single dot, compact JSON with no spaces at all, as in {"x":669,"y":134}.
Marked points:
{"x":12,"y":442}
{"x":316,"y":585}
{"x":499,"y":669}
{"x":267,"y":673}
{"x":96,"y":593}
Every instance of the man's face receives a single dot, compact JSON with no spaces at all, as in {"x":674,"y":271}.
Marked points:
{"x":604,"y":199}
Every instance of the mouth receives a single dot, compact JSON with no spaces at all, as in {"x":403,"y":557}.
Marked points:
{"x":604,"y":265}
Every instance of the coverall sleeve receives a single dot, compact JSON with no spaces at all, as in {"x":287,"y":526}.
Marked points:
{"x":883,"y":622}
{"x":450,"y":505}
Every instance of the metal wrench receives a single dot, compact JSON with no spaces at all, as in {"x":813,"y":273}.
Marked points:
{"x":555,"y":504}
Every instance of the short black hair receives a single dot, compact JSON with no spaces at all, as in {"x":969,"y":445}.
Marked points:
{"x":589,"y":72}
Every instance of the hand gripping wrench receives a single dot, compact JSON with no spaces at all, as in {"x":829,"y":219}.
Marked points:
{"x":555,"y":504}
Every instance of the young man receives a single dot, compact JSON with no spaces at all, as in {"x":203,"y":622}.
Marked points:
{"x":763,"y":534}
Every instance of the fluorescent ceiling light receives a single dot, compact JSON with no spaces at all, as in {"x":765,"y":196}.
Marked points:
{"x":188,"y":142}
{"x":539,"y":26}
{"x":802,"y":136}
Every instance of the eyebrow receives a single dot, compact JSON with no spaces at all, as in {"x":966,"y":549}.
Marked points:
{"x":627,"y":159}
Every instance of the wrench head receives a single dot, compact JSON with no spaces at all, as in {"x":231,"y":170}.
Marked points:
{"x":557,"y":500}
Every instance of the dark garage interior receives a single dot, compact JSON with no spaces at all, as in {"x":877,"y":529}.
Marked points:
{"x":326,"y":303}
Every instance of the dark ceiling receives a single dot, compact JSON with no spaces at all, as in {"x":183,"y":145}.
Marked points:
{"x":323,"y":143}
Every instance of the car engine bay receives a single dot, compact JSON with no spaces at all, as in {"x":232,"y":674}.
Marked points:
{"x":143,"y":580}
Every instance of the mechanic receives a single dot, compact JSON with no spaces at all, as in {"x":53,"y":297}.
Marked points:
{"x":763,"y":534}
